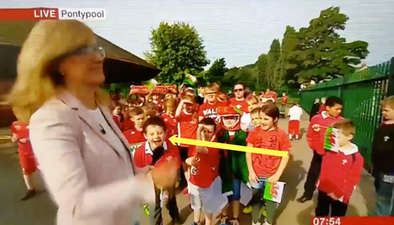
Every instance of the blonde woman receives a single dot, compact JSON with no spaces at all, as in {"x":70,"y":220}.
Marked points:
{"x":83,"y":156}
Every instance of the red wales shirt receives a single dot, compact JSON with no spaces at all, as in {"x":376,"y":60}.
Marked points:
{"x":135,"y":138}
{"x":207,"y":169}
{"x":143,"y":155}
{"x":340,"y":173}
{"x":241,"y":105}
{"x":187,"y":126}
{"x":211,"y":110}
{"x":171,"y":124}
{"x":267,"y":165}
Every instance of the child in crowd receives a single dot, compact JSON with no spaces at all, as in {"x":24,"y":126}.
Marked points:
{"x":209,"y":108}
{"x":265,"y":168}
{"x":283,"y":102}
{"x":383,"y":161}
{"x":128,"y":122}
{"x":315,"y":138}
{"x":135,"y":136}
{"x":187,"y":127}
{"x":20,"y":135}
{"x":169,"y":116}
{"x":340,"y":173}
{"x":117,"y":115}
{"x":155,"y":152}
{"x":295,"y":113}
{"x":205,"y":184}
{"x":246,"y":120}
{"x":235,"y":161}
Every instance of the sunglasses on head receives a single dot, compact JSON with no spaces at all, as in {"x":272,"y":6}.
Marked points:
{"x":238,"y":90}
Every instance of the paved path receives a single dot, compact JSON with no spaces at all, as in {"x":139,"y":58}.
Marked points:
{"x":40,"y":210}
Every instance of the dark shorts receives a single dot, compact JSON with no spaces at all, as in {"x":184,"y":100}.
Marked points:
{"x":183,"y":152}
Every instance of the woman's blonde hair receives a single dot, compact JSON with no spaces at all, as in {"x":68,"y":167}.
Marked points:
{"x":38,"y":79}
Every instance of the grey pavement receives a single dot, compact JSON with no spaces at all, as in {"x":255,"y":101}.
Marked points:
{"x":41,"y":211}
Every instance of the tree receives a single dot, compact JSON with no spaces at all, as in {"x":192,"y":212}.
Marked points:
{"x":322,"y":53}
{"x":217,"y":70}
{"x":176,"y":49}
{"x":261,"y":71}
{"x":272,"y":75}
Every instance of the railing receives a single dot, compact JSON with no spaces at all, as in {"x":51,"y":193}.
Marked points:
{"x":362,"y":93}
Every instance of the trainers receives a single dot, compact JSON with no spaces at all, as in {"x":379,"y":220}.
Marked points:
{"x":185,"y":191}
{"x":29,"y":194}
{"x":146,"y":209}
{"x":247,"y":210}
{"x":264,"y":212}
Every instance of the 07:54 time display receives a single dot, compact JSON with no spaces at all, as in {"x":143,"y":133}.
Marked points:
{"x":326,"y":221}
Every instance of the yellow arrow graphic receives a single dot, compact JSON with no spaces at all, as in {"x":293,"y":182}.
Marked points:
{"x":174,"y":139}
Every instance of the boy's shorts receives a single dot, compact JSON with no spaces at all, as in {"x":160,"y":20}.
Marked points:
{"x":210,"y":200}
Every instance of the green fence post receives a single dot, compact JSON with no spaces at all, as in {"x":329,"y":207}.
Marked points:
{"x":390,"y":88}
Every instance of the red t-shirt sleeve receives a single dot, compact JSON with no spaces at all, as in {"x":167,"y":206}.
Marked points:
{"x":284,"y":144}
{"x":200,"y":110}
{"x":252,"y":137}
{"x":141,"y":159}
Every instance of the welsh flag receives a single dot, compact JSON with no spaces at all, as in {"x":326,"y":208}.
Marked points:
{"x":190,"y":80}
{"x":331,"y":139}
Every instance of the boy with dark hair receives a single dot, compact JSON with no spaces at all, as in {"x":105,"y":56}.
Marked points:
{"x":383,"y":161}
{"x":340,"y":173}
{"x":155,"y":152}
{"x":315,"y":138}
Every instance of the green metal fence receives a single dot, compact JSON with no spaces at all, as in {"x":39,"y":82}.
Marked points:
{"x":361,"y":93}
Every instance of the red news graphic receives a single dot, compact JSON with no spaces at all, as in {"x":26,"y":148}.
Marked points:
{"x":52,"y":14}
{"x":363,"y":220}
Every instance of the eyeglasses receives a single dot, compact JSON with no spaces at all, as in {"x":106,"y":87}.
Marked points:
{"x":238,"y":90}
{"x":87,"y":50}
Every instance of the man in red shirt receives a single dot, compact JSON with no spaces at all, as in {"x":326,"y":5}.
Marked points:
{"x":239,"y":100}
{"x":340,"y":173}
{"x":209,"y":108}
{"x":20,"y":134}
{"x":205,"y":184}
{"x":135,"y":136}
{"x":156,"y":152}
{"x":315,"y":137}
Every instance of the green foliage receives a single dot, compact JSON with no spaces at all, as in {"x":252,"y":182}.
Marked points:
{"x":177,"y":50}
{"x":217,"y":71}
{"x":316,"y":52}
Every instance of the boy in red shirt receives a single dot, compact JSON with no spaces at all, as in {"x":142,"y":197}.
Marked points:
{"x":205,"y":185}
{"x":264,"y":168}
{"x":20,"y":134}
{"x":169,"y":117}
{"x":209,"y":108}
{"x":117,"y":115}
{"x":340,"y":173}
{"x":187,"y":127}
{"x":155,"y":152}
{"x":135,"y":136}
{"x":239,"y":100}
{"x":315,"y":138}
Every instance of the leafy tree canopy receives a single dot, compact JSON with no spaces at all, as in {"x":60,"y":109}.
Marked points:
{"x":177,"y":50}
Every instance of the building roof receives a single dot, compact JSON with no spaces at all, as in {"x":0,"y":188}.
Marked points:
{"x":16,"y":32}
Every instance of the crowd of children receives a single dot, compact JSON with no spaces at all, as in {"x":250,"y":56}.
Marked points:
{"x":214,"y":178}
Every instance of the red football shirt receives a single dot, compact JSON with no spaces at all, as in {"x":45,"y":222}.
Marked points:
{"x":187,"y":126}
{"x":171,"y":124}
{"x":241,"y":105}
{"x":267,"y":165}
{"x":207,"y":169}
{"x":211,"y":110}
{"x":143,"y":155}
{"x":284,"y":99}
{"x":127,"y":125}
{"x":21,"y":131}
{"x":135,"y":138}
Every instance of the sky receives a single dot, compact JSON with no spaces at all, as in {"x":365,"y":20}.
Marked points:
{"x":237,"y":30}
